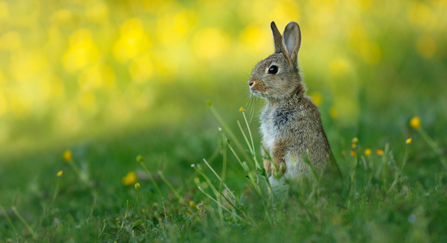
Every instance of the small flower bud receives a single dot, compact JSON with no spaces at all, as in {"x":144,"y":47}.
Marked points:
{"x":139,"y":159}
{"x":137,"y":186}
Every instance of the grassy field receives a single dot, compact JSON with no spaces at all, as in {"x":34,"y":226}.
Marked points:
{"x":383,"y":200}
{"x":107,"y":135}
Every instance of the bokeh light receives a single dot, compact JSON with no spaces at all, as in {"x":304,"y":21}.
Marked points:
{"x":72,"y":68}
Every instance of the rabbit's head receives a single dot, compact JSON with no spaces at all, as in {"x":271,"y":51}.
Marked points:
{"x":278,"y":75}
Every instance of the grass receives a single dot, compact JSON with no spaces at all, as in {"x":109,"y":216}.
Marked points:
{"x":395,"y":194}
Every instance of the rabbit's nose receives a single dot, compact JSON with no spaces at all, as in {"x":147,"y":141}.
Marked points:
{"x":251,"y":83}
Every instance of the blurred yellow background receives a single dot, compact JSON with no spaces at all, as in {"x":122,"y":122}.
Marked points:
{"x":71,"y":69}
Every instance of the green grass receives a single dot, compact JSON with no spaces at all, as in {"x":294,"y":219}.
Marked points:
{"x":101,"y":209}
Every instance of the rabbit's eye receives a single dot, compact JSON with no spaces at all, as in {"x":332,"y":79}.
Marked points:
{"x":273,"y":69}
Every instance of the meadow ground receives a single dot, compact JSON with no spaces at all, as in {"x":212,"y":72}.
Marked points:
{"x":94,"y":199}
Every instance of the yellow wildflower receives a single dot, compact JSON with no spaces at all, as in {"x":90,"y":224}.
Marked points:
{"x":353,"y":145}
{"x":59,"y":174}
{"x":415,"y":122}
{"x":379,"y":152}
{"x":367,"y":152}
{"x":241,"y":109}
{"x":129,"y":179}
{"x":68,"y":156}
{"x":408,"y":141}
{"x":192,"y":203}
{"x":352,"y":153}
{"x":355,"y":140}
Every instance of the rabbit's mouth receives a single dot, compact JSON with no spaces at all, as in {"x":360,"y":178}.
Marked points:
{"x":260,"y":94}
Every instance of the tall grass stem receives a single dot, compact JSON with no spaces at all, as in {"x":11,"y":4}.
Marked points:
{"x":152,"y":179}
{"x":399,"y":174}
{"x":7,"y":218}
{"x":24,"y":222}
{"x":56,"y":191}
{"x":220,"y":179}
{"x":136,"y":203}
{"x":227,"y":128}
{"x":249,"y":133}
{"x":434,"y":146}
{"x":180,"y":198}
{"x":384,"y":164}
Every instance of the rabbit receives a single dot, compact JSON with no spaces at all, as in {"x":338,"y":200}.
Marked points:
{"x":290,"y":123}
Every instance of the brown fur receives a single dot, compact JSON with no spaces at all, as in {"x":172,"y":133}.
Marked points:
{"x":259,"y":86}
{"x":279,"y":151}
{"x":268,"y":167}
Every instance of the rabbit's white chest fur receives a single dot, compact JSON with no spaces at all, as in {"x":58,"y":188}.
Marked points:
{"x":268,"y":134}
{"x":272,"y":132}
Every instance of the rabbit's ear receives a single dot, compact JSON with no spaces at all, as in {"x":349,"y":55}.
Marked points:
{"x":292,"y":40}
{"x":277,"y":40}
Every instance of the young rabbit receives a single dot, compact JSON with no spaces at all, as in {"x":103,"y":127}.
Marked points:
{"x":290,"y":122}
